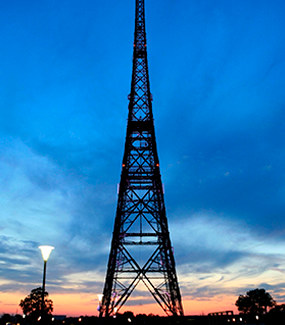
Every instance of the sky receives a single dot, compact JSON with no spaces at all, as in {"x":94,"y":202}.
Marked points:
{"x":217,"y":75}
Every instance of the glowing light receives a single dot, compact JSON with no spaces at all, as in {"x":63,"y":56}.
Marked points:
{"x":46,"y":250}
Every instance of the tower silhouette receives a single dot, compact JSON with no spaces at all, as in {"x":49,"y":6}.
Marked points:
{"x":141,"y":251}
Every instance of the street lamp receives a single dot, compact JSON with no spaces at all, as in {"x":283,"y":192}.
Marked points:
{"x":100,"y":297}
{"x":45,"y":250}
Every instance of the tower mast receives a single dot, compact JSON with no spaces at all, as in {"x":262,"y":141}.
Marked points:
{"x":141,"y":250}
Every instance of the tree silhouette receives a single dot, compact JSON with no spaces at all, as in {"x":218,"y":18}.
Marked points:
{"x":278,"y":309}
{"x":255,"y":302}
{"x":31,"y":305}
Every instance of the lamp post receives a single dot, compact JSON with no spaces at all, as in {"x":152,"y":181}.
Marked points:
{"x":100,"y":297}
{"x":45,"y":250}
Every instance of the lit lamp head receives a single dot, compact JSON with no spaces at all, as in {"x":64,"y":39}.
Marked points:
{"x":46,"y":250}
{"x":100,"y":297}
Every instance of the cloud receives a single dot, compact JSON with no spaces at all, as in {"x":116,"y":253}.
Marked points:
{"x":208,"y":243}
{"x":47,"y":205}
{"x":139,"y":302}
{"x":216,"y":255}
{"x":210,"y":232}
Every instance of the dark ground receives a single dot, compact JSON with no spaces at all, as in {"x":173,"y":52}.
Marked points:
{"x":186,"y":320}
{"x":129,"y":319}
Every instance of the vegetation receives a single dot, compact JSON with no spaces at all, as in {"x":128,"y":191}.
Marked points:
{"x":32,"y":304}
{"x":255,"y":302}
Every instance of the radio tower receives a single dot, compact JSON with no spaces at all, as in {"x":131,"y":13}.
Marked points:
{"x":141,"y":250}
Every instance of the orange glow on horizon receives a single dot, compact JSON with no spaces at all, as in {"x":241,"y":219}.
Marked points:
{"x":206,"y":306}
{"x":83,"y":304}
{"x":9,"y":302}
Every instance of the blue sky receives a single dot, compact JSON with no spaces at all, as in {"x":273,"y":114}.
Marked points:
{"x":217,"y":73}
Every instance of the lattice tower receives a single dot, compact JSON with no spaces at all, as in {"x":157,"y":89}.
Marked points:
{"x":141,"y":250}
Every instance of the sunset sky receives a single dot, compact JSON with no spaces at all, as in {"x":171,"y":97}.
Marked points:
{"x":217,"y":73}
